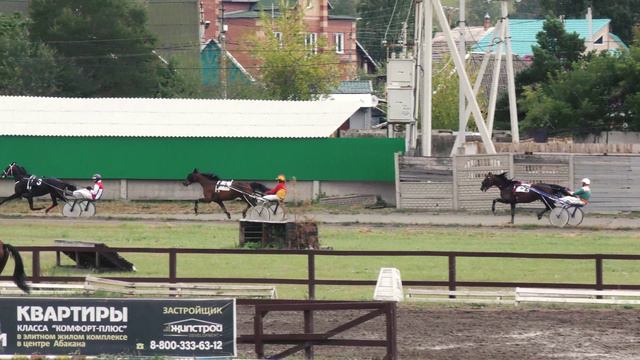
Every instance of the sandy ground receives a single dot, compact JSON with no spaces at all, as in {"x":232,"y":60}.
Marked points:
{"x":183,"y":211}
{"x":470,"y":333}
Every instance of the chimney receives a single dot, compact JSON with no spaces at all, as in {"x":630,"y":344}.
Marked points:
{"x":487,"y":22}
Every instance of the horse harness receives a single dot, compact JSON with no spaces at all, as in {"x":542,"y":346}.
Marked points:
{"x":520,"y":187}
{"x":33,"y":180}
{"x":9,"y":171}
{"x":224,"y":185}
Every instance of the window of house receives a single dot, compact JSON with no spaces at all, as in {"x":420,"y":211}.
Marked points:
{"x":311,"y":42}
{"x":339,"y":39}
{"x":600,"y":41}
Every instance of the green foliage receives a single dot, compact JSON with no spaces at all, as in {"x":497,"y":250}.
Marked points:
{"x":529,"y":9}
{"x":236,"y":89}
{"x":290,"y":69}
{"x":27,"y":68}
{"x":344,"y":7}
{"x":105,"y":49}
{"x":598,"y":95}
{"x":445,"y":97}
{"x":623,"y":14}
{"x":555,"y":52}
{"x":476,"y":11}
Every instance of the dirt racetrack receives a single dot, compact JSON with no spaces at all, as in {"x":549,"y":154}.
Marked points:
{"x":507,"y":332}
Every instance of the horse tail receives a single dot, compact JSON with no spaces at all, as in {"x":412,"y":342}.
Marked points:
{"x":258,"y":187}
{"x":19,"y":276}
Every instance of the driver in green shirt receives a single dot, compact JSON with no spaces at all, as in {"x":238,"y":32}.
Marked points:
{"x":584,"y":194}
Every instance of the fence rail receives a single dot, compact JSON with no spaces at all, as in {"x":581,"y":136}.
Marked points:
{"x":311,"y":281}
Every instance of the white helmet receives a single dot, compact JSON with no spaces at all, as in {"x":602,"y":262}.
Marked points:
{"x":586,"y":181}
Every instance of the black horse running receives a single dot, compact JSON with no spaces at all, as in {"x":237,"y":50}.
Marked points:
{"x":509,"y":195}
{"x":28,"y":187}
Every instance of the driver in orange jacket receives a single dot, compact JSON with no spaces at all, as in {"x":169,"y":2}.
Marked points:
{"x":279,"y":192}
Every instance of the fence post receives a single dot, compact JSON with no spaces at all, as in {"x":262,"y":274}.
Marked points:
{"x":258,"y":330}
{"x":392,"y":333}
{"x":572,"y":170}
{"x":454,"y":169}
{"x":599,"y":284}
{"x":172,"y":266}
{"x":308,"y":329}
{"x":35,"y":261}
{"x":452,"y":275}
{"x":308,"y":314}
{"x":512,"y":166}
{"x":311,"y":271}
{"x":396,"y":165}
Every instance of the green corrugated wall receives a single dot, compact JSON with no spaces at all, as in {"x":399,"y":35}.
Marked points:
{"x":338,"y":159}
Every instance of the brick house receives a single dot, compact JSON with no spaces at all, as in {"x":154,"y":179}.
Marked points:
{"x":237,"y":19}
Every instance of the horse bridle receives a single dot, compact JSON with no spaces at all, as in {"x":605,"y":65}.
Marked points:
{"x":8,"y":171}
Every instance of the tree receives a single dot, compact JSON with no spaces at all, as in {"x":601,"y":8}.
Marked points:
{"x":477,"y":9}
{"x":555,"y":52}
{"x":27,"y":68}
{"x":597,"y":95}
{"x":344,"y":7}
{"x":445,"y":96}
{"x":623,"y":14}
{"x":105,"y":48}
{"x":529,"y":9}
{"x":292,"y":65}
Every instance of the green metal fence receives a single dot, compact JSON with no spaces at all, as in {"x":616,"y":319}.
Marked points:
{"x":337,"y":159}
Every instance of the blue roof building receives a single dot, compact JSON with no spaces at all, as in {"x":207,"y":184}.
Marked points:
{"x":523,"y":35}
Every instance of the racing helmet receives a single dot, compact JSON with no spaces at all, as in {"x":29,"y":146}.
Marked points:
{"x":281,"y":178}
{"x":96,"y":177}
{"x":586,"y":181}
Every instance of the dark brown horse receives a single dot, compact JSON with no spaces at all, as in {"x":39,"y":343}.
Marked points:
{"x":217,"y":191}
{"x":509,"y":195}
{"x":19,"y":276}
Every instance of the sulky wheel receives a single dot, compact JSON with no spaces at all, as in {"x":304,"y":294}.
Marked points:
{"x":559,"y":217}
{"x":88,"y":209}
{"x":72,"y":209}
{"x":576,"y":215}
{"x":259,"y":212}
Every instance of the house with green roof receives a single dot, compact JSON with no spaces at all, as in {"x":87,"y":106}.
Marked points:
{"x":596,"y":34}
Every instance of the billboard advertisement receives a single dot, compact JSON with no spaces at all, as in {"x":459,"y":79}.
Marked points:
{"x":137,"y":327}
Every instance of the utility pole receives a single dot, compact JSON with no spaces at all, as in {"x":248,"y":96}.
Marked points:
{"x":462,"y":104}
{"x":511,"y":82}
{"x":499,"y":34}
{"x":427,"y":76}
{"x":222,"y":38}
{"x":418,"y":36}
